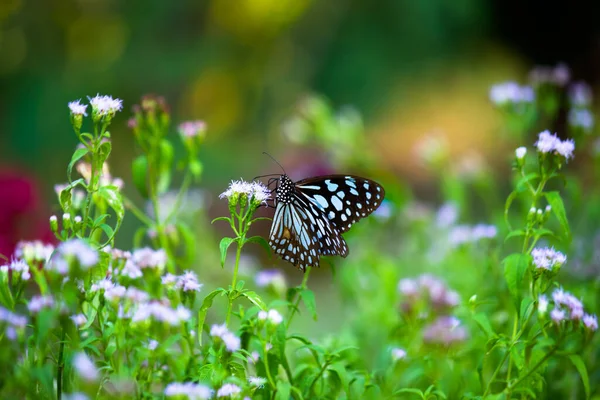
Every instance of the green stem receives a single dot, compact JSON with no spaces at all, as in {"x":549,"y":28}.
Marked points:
{"x":187,"y":180}
{"x":59,"y":370}
{"x":532,"y":370}
{"x":267,"y":369}
{"x":234,"y":279}
{"x":137,"y":212}
{"x":310,"y":389}
{"x":298,"y":296}
{"x":493,"y":378}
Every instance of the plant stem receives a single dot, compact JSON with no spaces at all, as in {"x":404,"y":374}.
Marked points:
{"x":266,"y":361}
{"x":234,"y":279}
{"x":298,"y":296}
{"x":493,"y":378}
{"x":532,"y":370}
{"x":59,"y":370}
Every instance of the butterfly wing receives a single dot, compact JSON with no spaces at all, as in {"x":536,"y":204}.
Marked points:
{"x":300,"y":233}
{"x":343,"y":199}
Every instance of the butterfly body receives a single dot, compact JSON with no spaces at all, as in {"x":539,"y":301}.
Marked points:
{"x":311,"y":214}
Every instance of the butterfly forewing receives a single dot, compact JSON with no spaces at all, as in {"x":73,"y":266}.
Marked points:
{"x":344,"y":199}
{"x":311,"y":215}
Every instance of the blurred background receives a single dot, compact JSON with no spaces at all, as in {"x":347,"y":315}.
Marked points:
{"x":409,"y":68}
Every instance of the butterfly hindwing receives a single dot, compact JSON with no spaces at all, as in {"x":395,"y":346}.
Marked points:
{"x":344,"y":199}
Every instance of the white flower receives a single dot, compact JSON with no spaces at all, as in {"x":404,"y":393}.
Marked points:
{"x":103,"y":284}
{"x":581,"y":118}
{"x":547,"y":258}
{"x":79,"y":319}
{"x":557,"y":315}
{"x":269,"y":277}
{"x":566,"y":148}
{"x":228,"y":389}
{"x":131,"y":270}
{"x":115,"y":293}
{"x":218,"y":330}
{"x":262,"y":315}
{"x":161,"y":313}
{"x":257,"y":381}
{"x":274,"y":317}
{"x":152,"y":344}
{"x":84,"y":367}
{"x":105,"y":105}
{"x":254,"y":190}
{"x":188,"y":282}
{"x":149,"y":258}
{"x":34,"y":251}
{"x":580,"y":94}
{"x":408,"y":287}
{"x":193,"y":391}
{"x":37,"y":303}
{"x":445,"y":330}
{"x":79,"y":250}
{"x":546,"y":142}
{"x":77,"y":108}
{"x":542,"y":304}
{"x":521,"y":152}
{"x":398,"y":354}
{"x":511,"y":92}
{"x":232,"y":342}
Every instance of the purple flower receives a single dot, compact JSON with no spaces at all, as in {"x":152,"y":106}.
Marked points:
{"x":398,"y":354}
{"x":84,"y":367}
{"x":557,"y":315}
{"x":581,"y":118}
{"x":79,"y":250}
{"x":590,"y":321}
{"x":254,"y":190}
{"x":189,"y":129}
{"x":548,"y":142}
{"x":269,"y":277}
{"x":445,"y":330}
{"x":228,"y":390}
{"x":38,"y":303}
{"x":547,"y":258}
{"x":511,"y":92}
{"x":580,"y":94}
{"x":189,"y":390}
{"x":149,"y":258}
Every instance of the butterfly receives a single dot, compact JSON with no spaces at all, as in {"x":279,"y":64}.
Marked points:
{"x":311,"y":215}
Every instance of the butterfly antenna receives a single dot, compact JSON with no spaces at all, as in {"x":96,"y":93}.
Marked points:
{"x":276,"y":162}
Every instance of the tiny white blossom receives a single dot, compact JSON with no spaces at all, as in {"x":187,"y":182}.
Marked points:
{"x":546,"y":142}
{"x":581,"y":118}
{"x":79,"y":250}
{"x":557,"y":315}
{"x":542,"y":304}
{"x":131,"y":270}
{"x":149,"y":258}
{"x":257,"y":381}
{"x":547,"y":258}
{"x":37,"y":303}
{"x":274,"y":317}
{"x":188,"y":282}
{"x":218,"y":330}
{"x":232,"y":342}
{"x":254,"y":190}
{"x":566,"y":148}
{"x":580,"y":94}
{"x":115,"y":293}
{"x":79,"y":319}
{"x":228,"y":390}
{"x":262,"y":315}
{"x":84,"y":367}
{"x":398,"y":354}
{"x":521,"y":152}
{"x":77,"y":108}
{"x":103,"y":284}
{"x":511,"y":92}
{"x":192,"y":128}
{"x":152,"y":344}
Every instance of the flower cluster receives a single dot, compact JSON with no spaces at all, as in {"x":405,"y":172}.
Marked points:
{"x":272,"y":316}
{"x":547,"y":258}
{"x":105,"y":105}
{"x":191,"y":129}
{"x":445,"y":330}
{"x":462,"y":234}
{"x":38,"y":303}
{"x":548,"y":143}
{"x":188,"y":390}
{"x":18,"y":268}
{"x":228,"y":390}
{"x":232,"y":342}
{"x":511,"y":93}
{"x":188,"y":281}
{"x":432,"y":288}
{"x":14,"y":322}
{"x":558,"y":75}
{"x":569,"y":308}
{"x":255,"y":192}
{"x":71,"y":252}
{"x":34,"y":251}
{"x":161,"y":313}
{"x":149,"y":258}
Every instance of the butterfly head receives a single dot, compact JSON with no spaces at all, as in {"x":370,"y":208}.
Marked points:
{"x":284,"y":189}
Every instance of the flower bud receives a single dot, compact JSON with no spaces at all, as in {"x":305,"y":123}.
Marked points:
{"x":67,"y":221}
{"x":54,"y":223}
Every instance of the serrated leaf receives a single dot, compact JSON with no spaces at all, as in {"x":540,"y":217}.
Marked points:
{"x":139,"y":172}
{"x":515,"y":268}
{"x":308,"y":298}
{"x":206,"y":304}
{"x":261,"y":241}
{"x":77,"y":155}
{"x":558,"y":209}
{"x":581,"y":368}
{"x":223,"y":246}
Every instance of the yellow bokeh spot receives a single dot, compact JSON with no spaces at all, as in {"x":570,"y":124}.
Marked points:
{"x":214,"y":97}
{"x":98,"y":41}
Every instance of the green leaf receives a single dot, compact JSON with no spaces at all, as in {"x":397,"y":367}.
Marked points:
{"x":283,"y":390}
{"x":113,"y":198}
{"x":515,"y":233}
{"x":580,"y":365}
{"x":107,"y":229}
{"x":511,"y":197}
{"x":484,"y":324}
{"x":195,"y":168}
{"x":526,"y":308}
{"x":515,"y":268}
{"x":255,"y":298}
{"x":228,"y":219}
{"x":416,"y":392}
{"x":308,"y":297}
{"x":261,"y":241}
{"x":240,"y":285}
{"x":104,"y":151}
{"x":139,"y":172}
{"x":223,"y":246}
{"x":77,"y":155}
{"x":558,"y":208}
{"x":164,"y":168}
{"x":206,"y":304}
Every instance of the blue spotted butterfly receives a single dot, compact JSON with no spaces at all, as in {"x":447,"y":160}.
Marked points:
{"x":311,"y":215}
